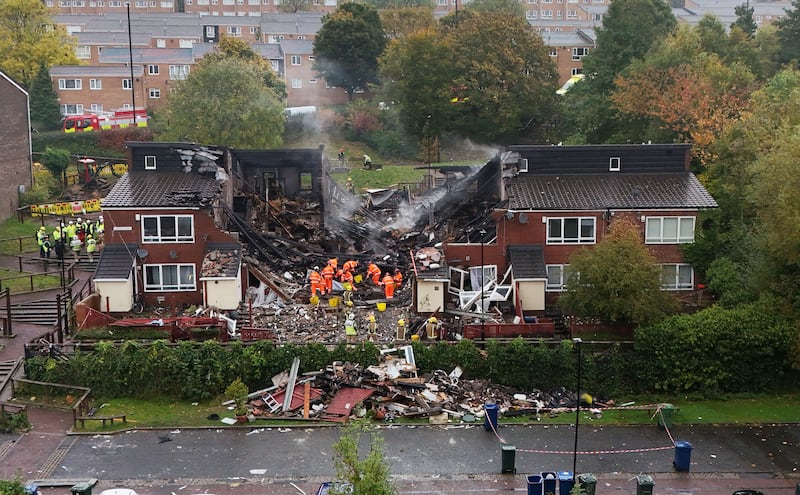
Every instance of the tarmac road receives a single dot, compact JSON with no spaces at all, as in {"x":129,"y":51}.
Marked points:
{"x":431,"y":460}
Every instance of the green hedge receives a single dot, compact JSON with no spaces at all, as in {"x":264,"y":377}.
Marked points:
{"x":710,"y":352}
{"x":717,"y":350}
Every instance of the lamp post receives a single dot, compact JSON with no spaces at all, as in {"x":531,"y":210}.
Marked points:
{"x":130,"y":59}
{"x":483,"y":284}
{"x":578,"y":343}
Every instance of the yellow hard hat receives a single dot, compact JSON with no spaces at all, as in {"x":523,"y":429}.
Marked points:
{"x":414,"y":338}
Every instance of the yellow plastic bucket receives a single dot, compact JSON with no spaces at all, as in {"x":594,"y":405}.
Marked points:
{"x":314,"y":300}
{"x":333,"y":302}
{"x":381,"y":306}
{"x":358,"y":278}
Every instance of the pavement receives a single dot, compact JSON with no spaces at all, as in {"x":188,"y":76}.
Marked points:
{"x":453,"y":459}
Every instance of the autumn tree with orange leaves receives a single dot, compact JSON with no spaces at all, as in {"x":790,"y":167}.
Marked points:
{"x":690,"y":92}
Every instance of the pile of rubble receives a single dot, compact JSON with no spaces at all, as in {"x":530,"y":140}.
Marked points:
{"x":392,"y":389}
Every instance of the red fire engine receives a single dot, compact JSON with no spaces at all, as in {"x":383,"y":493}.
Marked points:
{"x":119,"y":119}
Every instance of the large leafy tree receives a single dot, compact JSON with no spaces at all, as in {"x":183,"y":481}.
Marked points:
{"x":30,"y":38}
{"x":45,"y":110}
{"x":224,"y":101}
{"x":789,"y":33}
{"x":230,"y":47}
{"x":347,"y":47}
{"x":509,"y":81}
{"x":402,"y":21}
{"x":630,"y":28}
{"x":486,"y":76}
{"x":503,"y":6}
{"x":744,"y":19}
{"x":618,"y":280}
{"x":418,"y":72}
{"x":689,"y":92}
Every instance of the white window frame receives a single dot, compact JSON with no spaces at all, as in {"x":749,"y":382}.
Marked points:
{"x":77,"y":84}
{"x":154,"y":93}
{"x":150,"y":162}
{"x":547,"y":14}
{"x":180,"y":236}
{"x":579,"y":52}
{"x":235,"y":31}
{"x":572,"y":14}
{"x":655,"y":226}
{"x":557,"y":276}
{"x":614,"y":164}
{"x":152,"y":69}
{"x":83,"y":51}
{"x":178,"y":72}
{"x":96,"y":108}
{"x":297,"y":83}
{"x":161,"y":43}
{"x":554,"y":52}
{"x":184,"y":274}
{"x":127,"y":85}
{"x":531,"y":15}
{"x":295,"y":60}
{"x":78,"y":110}
{"x":95,"y":84}
{"x":671,"y":276}
{"x":559,"y":223}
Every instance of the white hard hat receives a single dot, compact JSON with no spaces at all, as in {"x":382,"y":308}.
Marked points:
{"x":79,"y":219}
{"x":100,"y":218}
{"x":316,"y":268}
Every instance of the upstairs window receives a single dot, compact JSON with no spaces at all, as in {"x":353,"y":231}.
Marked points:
{"x":669,"y":230}
{"x":167,"y":228}
{"x":577,"y":230}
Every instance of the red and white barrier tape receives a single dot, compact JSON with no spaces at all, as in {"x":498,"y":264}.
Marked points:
{"x":596,"y":452}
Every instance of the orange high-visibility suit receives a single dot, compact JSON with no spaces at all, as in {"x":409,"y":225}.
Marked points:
{"x":388,"y":286}
{"x":375,"y":273}
{"x":347,"y":278}
{"x":398,"y":278}
{"x":350,"y":265}
{"x":327,"y":274}
{"x":316,"y":283}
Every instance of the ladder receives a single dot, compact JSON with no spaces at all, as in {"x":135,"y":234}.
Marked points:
{"x":271,"y":403}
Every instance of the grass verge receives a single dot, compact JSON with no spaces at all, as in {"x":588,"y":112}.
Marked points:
{"x":21,"y":282}
{"x":161,"y":413}
{"x":12,"y":229}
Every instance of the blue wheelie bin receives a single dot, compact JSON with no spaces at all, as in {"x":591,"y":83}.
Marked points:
{"x":683,"y":456}
{"x":534,"y":484}
{"x":549,"y":482}
{"x":490,"y":422}
{"x":565,"y":482}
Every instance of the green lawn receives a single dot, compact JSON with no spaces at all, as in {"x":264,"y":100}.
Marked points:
{"x":21,"y":282}
{"x":764,"y":409}
{"x":12,"y":229}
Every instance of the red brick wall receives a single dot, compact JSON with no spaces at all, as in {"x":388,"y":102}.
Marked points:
{"x":14,"y":146}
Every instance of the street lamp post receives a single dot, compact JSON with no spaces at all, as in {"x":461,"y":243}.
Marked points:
{"x":578,"y":342}
{"x":483,"y":284}
{"x":130,"y":60}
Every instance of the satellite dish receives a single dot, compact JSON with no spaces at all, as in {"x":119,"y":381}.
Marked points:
{"x":173,"y":254}
{"x":142,"y":253}
{"x":509,"y":214}
{"x":523,"y":218}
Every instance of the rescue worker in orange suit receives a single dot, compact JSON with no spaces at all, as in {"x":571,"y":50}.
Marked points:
{"x":350,"y":266}
{"x":327,"y":275}
{"x":398,"y":277}
{"x":374,"y":273}
{"x":388,"y":286}
{"x":316,"y":282}
{"x":347,"y":278}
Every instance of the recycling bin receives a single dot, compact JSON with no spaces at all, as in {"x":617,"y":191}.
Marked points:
{"x":587,"y":483}
{"x":683,"y":456}
{"x":665,"y":416}
{"x":509,"y":452}
{"x":565,"y":482}
{"x":534,"y":484}
{"x":81,"y":489}
{"x":490,"y":422}
{"x":644,"y":485}
{"x":549,"y":482}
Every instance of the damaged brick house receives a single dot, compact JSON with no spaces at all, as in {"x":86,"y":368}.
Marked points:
{"x":560,"y":198}
{"x":169,"y":222}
